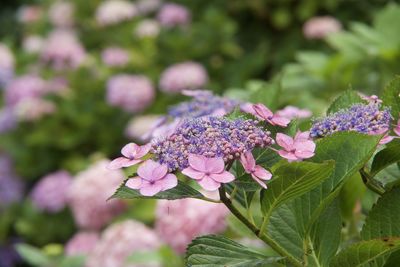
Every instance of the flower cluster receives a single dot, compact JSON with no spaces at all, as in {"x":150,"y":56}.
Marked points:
{"x":133,"y":93}
{"x":147,"y":28}
{"x":50,"y":193}
{"x":33,"y":44}
{"x":178,"y":222}
{"x":61,"y":14}
{"x":183,"y":76}
{"x":115,"y":11}
{"x":82,"y":243}
{"x":24,"y":87}
{"x":367,"y":119}
{"x":210,"y":137}
{"x":6,"y":64}
{"x":115,"y":57}
{"x":11,"y":188}
{"x":121,"y":240}
{"x":320,"y":27}
{"x":87,"y":196}
{"x":172,"y":15}
{"x":204,"y":103}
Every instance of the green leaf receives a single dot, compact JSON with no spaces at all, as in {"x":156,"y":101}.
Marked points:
{"x":386,"y":157}
{"x":180,"y":191}
{"x":266,"y":93}
{"x":33,"y":255}
{"x":345,"y":100}
{"x":215,"y":251}
{"x":290,"y":223}
{"x":352,"y":191}
{"x":391,"y":96}
{"x":73,"y":261}
{"x":384,"y":218}
{"x":292,"y":180}
{"x":365,"y":253}
{"x":325,"y":235}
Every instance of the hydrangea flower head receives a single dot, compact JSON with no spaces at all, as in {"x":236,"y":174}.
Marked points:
{"x":133,"y":93}
{"x":82,"y":243}
{"x":115,"y":57}
{"x":320,"y":27}
{"x":172,"y":15}
{"x":183,"y":76}
{"x":50,"y":193}
{"x":61,"y":14}
{"x":111,"y":12}
{"x":24,"y":87}
{"x":367,"y":119}
{"x":210,"y":137}
{"x":147,"y":28}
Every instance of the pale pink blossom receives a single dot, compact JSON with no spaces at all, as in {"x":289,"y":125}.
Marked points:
{"x":320,"y":27}
{"x":263,"y":113}
{"x":132,"y":154}
{"x":115,"y":57}
{"x":209,"y":172}
{"x":61,"y":14}
{"x":82,"y":243}
{"x":121,"y":240}
{"x":147,"y":28}
{"x":291,"y":112}
{"x":152,"y":178}
{"x":33,"y":44}
{"x":386,"y":139}
{"x":258,"y":173}
{"x":178,"y":222}
{"x":142,"y":127}
{"x":111,"y":12}
{"x":32,"y":109}
{"x":89,"y":193}
{"x":29,"y":13}
{"x":295,"y":149}
{"x":172,"y":15}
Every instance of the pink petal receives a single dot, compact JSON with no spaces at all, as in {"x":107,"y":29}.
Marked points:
{"x":219,"y":112}
{"x":121,"y":162}
{"x":397,"y":129}
{"x":209,"y":184}
{"x":302,"y":136}
{"x":248,"y":108}
{"x":143,"y":150}
{"x":134,"y":183}
{"x":192,"y":173}
{"x":130,"y":150}
{"x":287,"y":155}
{"x":262,"y":173}
{"x":215,"y":165}
{"x":304,"y":154}
{"x":198,"y":162}
{"x":386,"y":139}
{"x":280,"y":121}
{"x":168,"y":182}
{"x":248,"y":161}
{"x":262,"y":111}
{"x":284,"y":141}
{"x":224,"y":177}
{"x":148,"y":189}
{"x":152,"y":171}
{"x":304,"y":146}
{"x":259,"y":181}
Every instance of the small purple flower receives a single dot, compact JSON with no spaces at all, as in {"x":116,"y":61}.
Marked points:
{"x":183,"y":76}
{"x":367,"y":119}
{"x":50,"y":193}
{"x":172,"y":15}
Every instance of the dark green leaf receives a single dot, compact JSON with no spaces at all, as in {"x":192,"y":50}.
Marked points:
{"x":391,"y":97}
{"x":345,"y":100}
{"x":265,"y":93}
{"x":386,"y":157}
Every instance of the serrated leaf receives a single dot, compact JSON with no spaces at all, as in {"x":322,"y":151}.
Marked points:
{"x":345,"y":100}
{"x":292,"y":180}
{"x":218,"y":251}
{"x":33,"y":255}
{"x":386,"y":157}
{"x":391,"y":97}
{"x":365,"y":252}
{"x":384,"y":218}
{"x":180,"y":191}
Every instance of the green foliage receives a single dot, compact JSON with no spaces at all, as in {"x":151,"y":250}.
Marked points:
{"x":391,"y":96}
{"x":345,"y":100}
{"x":386,"y":157}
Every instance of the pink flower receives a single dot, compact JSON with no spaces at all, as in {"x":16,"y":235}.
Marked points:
{"x":397,"y":128}
{"x":386,"y":138}
{"x":291,"y":112}
{"x":262,"y":112}
{"x":172,"y":15}
{"x":295,"y":149}
{"x":209,"y":172}
{"x":82,"y":243}
{"x":257,"y":172}
{"x":320,"y":27}
{"x":153,"y":178}
{"x":111,"y":12}
{"x":131,"y":156}
{"x":115,"y":56}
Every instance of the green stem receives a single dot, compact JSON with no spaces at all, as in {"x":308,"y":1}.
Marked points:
{"x":371,"y":183}
{"x":228,"y":203}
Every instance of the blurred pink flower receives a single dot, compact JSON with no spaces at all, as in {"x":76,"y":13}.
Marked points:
{"x":62,"y":50}
{"x":115,"y":57}
{"x":147,"y":28}
{"x":258,"y":173}
{"x":61,"y":13}
{"x":50,"y":193}
{"x":152,"y":178}
{"x":291,"y":112}
{"x":263,"y":113}
{"x":33,"y":44}
{"x":320,"y":27}
{"x":141,"y":127}
{"x":121,"y":240}
{"x":29,"y":13}
{"x":183,"y":76}
{"x":82,"y":243}
{"x":132,"y":154}
{"x":295,"y":149}
{"x":178,"y":222}
{"x":172,"y":15}
{"x":24,"y":87}
{"x":133,"y":93}
{"x":115,"y":11}
{"x":32,"y":109}
{"x":209,"y":172}
{"x":7,"y":63}
{"x":89,"y":192}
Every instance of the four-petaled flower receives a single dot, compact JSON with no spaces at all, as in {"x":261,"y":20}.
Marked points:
{"x":132,"y":154}
{"x":209,"y":172}
{"x":152,"y":178}
{"x":297,"y":148}
{"x":257,"y":172}
{"x":263,"y":113}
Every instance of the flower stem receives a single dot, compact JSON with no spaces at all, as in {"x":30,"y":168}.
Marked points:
{"x":371,"y":183}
